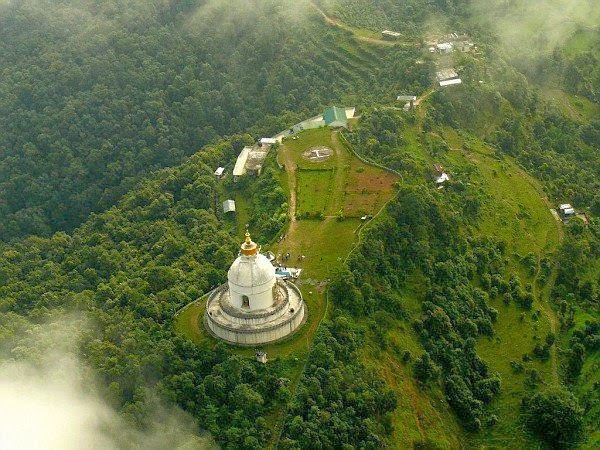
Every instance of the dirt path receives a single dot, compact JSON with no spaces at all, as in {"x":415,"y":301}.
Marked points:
{"x":549,"y":315}
{"x":336,"y":23}
{"x":290,"y":168}
{"x":424,"y":97}
{"x":329,"y":20}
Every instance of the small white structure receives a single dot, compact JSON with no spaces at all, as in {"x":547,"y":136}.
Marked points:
{"x":444,"y":48}
{"x":254,"y":307}
{"x":453,"y":82}
{"x":219,"y":172}
{"x":261,"y":357}
{"x":566,"y":209}
{"x":228,"y":206}
{"x":268,"y":141}
{"x":387,"y":34}
{"x":240,"y":165}
{"x":442,"y":178}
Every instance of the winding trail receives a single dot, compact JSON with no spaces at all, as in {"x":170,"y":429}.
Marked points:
{"x":290,"y":168}
{"x":337,"y":23}
{"x":549,"y":315}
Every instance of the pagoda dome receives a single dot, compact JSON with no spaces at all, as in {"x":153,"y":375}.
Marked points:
{"x":251,"y":271}
{"x":251,"y":278}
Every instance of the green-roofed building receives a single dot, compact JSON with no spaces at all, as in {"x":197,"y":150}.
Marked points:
{"x":335,"y":117}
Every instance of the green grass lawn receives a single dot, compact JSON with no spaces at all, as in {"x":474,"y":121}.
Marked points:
{"x":315,"y":190}
{"x":187,"y":323}
{"x":325,"y":243}
{"x":307,"y":140}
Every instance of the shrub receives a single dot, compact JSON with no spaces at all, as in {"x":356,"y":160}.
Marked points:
{"x":555,"y":416}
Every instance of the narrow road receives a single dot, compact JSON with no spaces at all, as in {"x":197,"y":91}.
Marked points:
{"x":550,"y":316}
{"x":290,"y":168}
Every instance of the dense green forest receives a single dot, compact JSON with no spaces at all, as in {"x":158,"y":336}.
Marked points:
{"x":114,"y":117}
{"x":98,"y":94}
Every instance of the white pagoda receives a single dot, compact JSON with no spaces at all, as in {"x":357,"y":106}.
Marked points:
{"x":254,"y":307}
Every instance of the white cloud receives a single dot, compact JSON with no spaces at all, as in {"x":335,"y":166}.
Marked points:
{"x":49,"y":401}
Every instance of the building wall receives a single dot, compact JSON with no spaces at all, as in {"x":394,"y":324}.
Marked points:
{"x":338,"y":124}
{"x":261,"y":297}
{"x":255,"y":337}
{"x":255,"y":321}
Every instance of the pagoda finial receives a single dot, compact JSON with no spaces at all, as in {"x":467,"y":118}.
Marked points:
{"x":249,"y":247}
{"x":248,"y":240}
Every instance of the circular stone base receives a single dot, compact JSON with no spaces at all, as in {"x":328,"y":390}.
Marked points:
{"x":318,"y":154}
{"x":260,"y":327}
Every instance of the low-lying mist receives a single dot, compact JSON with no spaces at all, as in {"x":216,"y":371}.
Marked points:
{"x":50,"y":400}
{"x":534,"y":26}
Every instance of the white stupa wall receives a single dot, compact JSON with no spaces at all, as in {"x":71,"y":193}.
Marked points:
{"x":259,"y":336}
{"x":260,"y":297}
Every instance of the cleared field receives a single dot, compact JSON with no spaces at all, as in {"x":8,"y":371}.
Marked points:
{"x":318,"y":188}
{"x":324,"y":243}
{"x":368,"y":188}
{"x":314,"y":190}
{"x":320,"y":137}
{"x":340,"y":183}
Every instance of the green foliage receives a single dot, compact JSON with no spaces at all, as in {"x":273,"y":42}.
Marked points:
{"x":128,"y":271}
{"x":418,"y":234}
{"x":99,"y":96}
{"x":425,"y":370}
{"x":339,"y":401}
{"x":555,"y":416}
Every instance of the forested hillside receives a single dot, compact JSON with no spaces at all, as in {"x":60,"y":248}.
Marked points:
{"x":98,"y":94}
{"x":465,"y":315}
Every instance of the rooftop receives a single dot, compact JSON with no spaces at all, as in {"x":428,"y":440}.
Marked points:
{"x":446,"y":74}
{"x":334,"y":114}
{"x":450,"y":82}
{"x":240,"y":164}
{"x":228,"y":206}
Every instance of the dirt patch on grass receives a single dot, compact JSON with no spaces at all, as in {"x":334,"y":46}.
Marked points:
{"x":318,"y":154}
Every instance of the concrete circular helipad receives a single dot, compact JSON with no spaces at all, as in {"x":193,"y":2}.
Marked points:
{"x":318,"y":154}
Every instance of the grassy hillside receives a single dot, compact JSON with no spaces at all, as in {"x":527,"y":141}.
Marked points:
{"x":434,"y":312}
{"x":499,"y":200}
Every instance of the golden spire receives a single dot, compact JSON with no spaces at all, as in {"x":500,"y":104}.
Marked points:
{"x":248,"y":247}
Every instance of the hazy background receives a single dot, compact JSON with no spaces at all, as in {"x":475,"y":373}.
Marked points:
{"x":49,"y":400}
